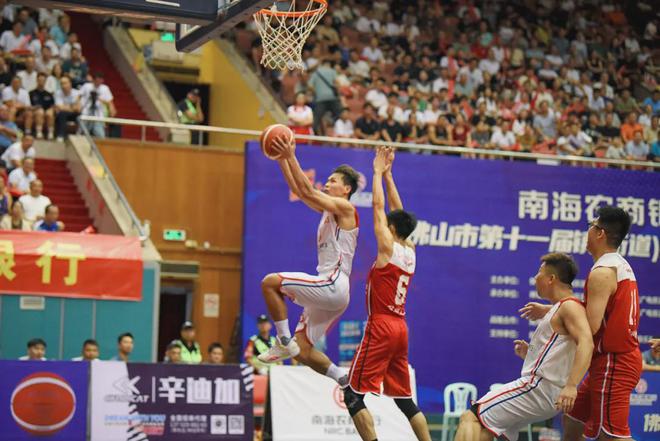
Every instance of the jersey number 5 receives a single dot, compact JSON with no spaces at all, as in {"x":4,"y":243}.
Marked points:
{"x":402,"y":290}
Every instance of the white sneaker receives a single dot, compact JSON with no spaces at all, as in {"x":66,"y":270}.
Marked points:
{"x":280,"y":352}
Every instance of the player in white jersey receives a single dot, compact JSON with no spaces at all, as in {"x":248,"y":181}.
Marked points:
{"x":325,"y":295}
{"x":556,"y":360}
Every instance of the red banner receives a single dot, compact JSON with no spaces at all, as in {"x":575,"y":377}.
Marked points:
{"x":71,"y":265}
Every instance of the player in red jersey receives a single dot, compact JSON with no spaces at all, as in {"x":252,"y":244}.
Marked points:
{"x":612,"y":301}
{"x":382,"y":357}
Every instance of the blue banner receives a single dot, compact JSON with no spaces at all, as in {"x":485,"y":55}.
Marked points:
{"x":44,"y":399}
{"x":483,"y":225}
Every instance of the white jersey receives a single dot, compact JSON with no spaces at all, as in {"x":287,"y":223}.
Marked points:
{"x":336,"y":247}
{"x":550,"y":355}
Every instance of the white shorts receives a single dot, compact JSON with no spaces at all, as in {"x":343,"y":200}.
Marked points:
{"x":324,"y":297}
{"x":510,"y":408}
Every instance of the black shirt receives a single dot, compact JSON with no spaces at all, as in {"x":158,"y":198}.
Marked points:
{"x":367,"y":127}
{"x":609,"y":131}
{"x":393,"y":129}
{"x":42,"y":98}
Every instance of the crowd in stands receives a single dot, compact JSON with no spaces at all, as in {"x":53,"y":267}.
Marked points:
{"x":178,"y":351}
{"x":45,"y":81}
{"x":565,"y":77}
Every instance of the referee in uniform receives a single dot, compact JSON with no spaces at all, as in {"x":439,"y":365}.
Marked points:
{"x":258,"y":344}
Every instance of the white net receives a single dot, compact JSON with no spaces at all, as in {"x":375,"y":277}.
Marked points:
{"x":284,"y":30}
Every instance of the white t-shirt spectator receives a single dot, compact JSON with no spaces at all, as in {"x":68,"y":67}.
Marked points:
{"x":68,"y":100}
{"x":430,"y":115}
{"x":34,"y":207}
{"x":503,"y":140}
{"x":45,"y":66}
{"x":344,"y":129}
{"x":398,"y":113}
{"x":54,"y":48}
{"x":519,"y":127}
{"x":547,"y":74}
{"x":490,"y":66}
{"x":392,"y":29}
{"x":28,"y":80}
{"x":359,"y":68}
{"x":65,"y":50}
{"x":299,"y":113}
{"x":15,"y":152}
{"x":555,"y":60}
{"x":18,"y":179}
{"x":366,"y":25}
{"x":103,"y":94}
{"x":440,"y":83}
{"x":376,"y":98}
{"x":374,"y":55}
{"x":22,"y":96}
{"x":546,"y":124}
{"x":10,"y":42}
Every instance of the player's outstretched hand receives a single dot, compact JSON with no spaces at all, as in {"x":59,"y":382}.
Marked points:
{"x":283,"y":147}
{"x":520,"y":348}
{"x":390,"y":155}
{"x":381,"y":163}
{"x":533,"y":311}
{"x":566,"y":399}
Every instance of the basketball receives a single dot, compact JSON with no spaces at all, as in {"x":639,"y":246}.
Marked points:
{"x":270,"y":133}
{"x":43,"y":403}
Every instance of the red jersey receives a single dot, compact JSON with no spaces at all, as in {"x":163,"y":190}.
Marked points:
{"x":618,"y":331}
{"x":387,"y":287}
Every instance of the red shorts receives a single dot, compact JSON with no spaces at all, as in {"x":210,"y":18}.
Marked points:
{"x":603,"y":400}
{"x":382,"y":358}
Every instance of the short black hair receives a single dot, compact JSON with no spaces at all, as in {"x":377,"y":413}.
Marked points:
{"x":616,"y":223}
{"x":48,"y":207}
{"x":36,"y":341}
{"x":91,"y":342}
{"x":125,"y":334}
{"x":215,"y":345}
{"x":563,"y":266}
{"x":349,"y":176}
{"x":404,"y":222}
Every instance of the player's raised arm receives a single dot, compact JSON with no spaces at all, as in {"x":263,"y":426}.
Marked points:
{"x":574,"y":319}
{"x":383,"y":234}
{"x":602,"y":284}
{"x":306,"y":191}
{"x":393,"y":198}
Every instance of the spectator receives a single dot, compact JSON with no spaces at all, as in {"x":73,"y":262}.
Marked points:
{"x":173,"y":353}
{"x":651,"y":360}
{"x":8,"y":130}
{"x":422,"y":83}
{"x":326,"y":97}
{"x":503,"y":138}
{"x":71,"y":44}
{"x":29,"y":25}
{"x":6,"y":74}
{"x":344,"y":126}
{"x":464,"y":87}
{"x":415,"y":130}
{"x":44,"y":110}
{"x":258,"y":344}
{"x":50,"y":221}
{"x":653,"y":101}
{"x":636,"y":148}
{"x":35,"y":203}
{"x":90,"y":351}
{"x":17,"y":99}
{"x":76,"y":68}
{"x":20,"y":177}
{"x":124,"y":347}
{"x":97,"y":100}
{"x":481,"y":135}
{"x":190,"y":350}
{"x":393,"y":103}
{"x":376,"y":95}
{"x":190,"y":112}
{"x":300,"y":116}
{"x":356,"y":66}
{"x":14,"y":39}
{"x":61,"y":30}
{"x":630,"y":127}
{"x":367,"y":126}
{"x":440,"y":133}
{"x":646,"y":116}
{"x":616,"y":149}
{"x":391,"y":130}
{"x":18,"y":151}
{"x":607,"y":129}
{"x":372,"y":52}
{"x":545,"y":122}
{"x":28,"y":75}
{"x":655,"y":149}
{"x":580,"y":140}
{"x":216,"y":354}
{"x":16,"y":219}
{"x":625,"y":103}
{"x":54,"y":80}
{"x":461,"y":132}
{"x":67,"y":106}
{"x":564,"y":147}
{"x":45,"y":61}
{"x":5,"y":200}
{"x":36,"y":350}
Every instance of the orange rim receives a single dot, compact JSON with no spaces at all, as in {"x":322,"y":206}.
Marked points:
{"x":296,"y":14}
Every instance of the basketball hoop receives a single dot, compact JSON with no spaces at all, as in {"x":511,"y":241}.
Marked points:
{"x":283,"y":33}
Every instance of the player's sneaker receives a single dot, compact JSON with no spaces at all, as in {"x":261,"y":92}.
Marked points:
{"x":280,"y":352}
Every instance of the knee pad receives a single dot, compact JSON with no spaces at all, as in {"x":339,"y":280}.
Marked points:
{"x":354,"y":401}
{"x":407,"y":406}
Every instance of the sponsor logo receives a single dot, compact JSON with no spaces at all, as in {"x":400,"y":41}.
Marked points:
{"x":127,"y":391}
